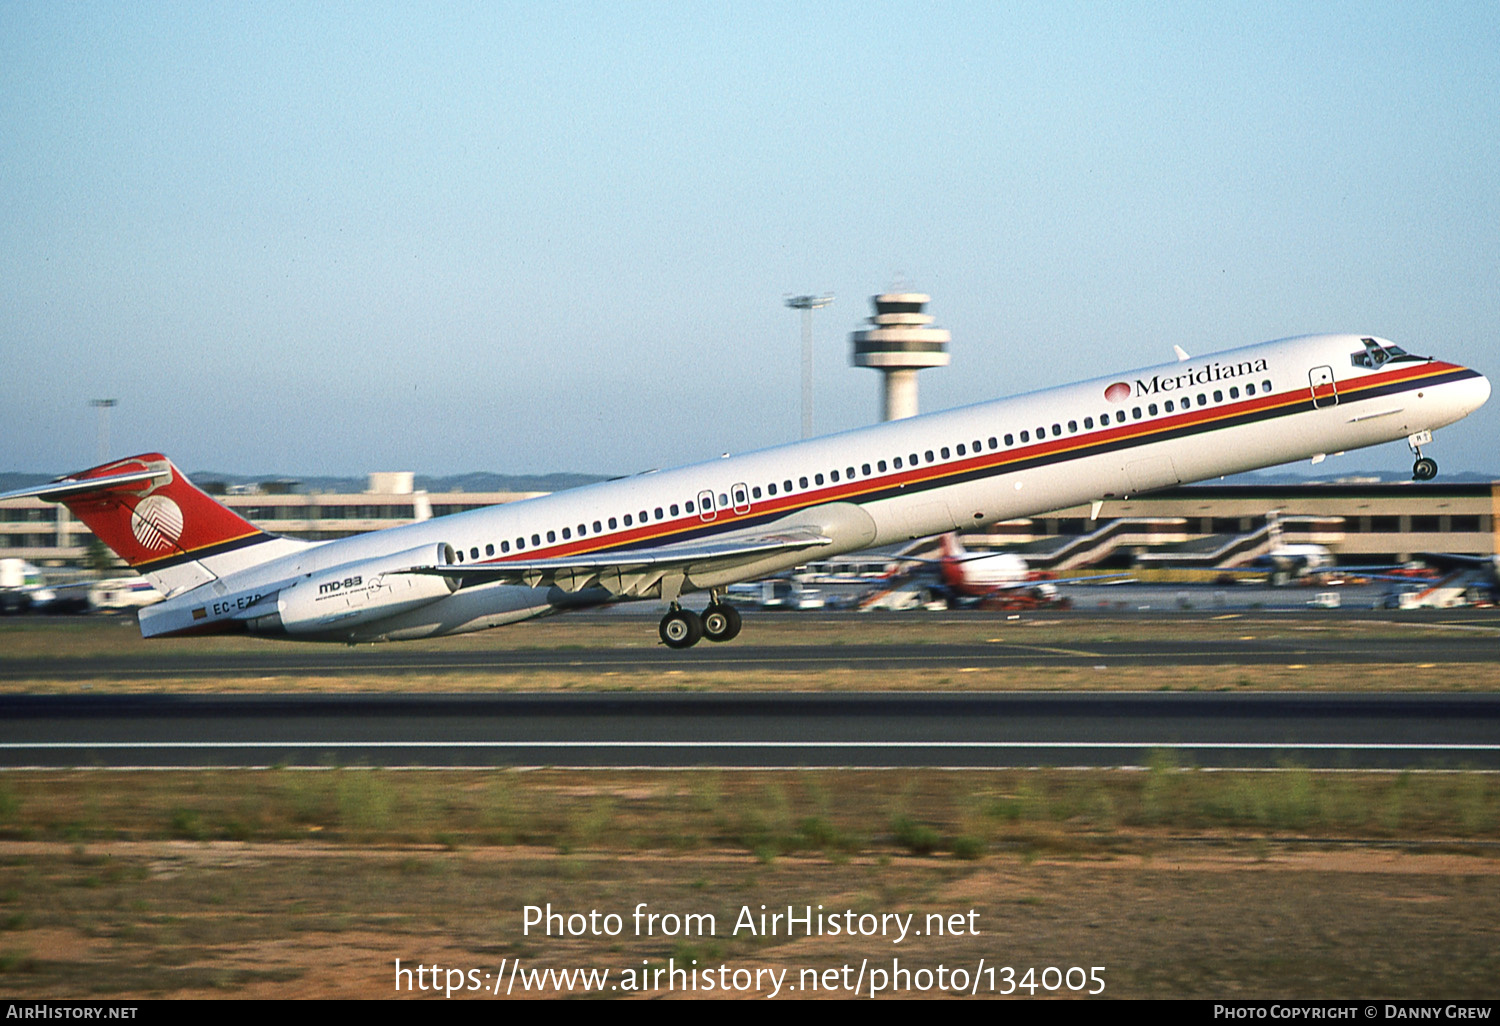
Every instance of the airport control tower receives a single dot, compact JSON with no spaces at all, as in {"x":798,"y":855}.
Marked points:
{"x":900,"y":343}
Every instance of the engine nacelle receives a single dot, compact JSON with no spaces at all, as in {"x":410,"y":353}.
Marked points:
{"x":359,"y":592}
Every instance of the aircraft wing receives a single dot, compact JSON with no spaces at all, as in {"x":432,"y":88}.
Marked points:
{"x":995,"y":589}
{"x":1459,"y":561}
{"x":629,"y":572}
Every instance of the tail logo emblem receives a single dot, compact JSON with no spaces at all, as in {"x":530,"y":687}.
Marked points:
{"x":157,"y":522}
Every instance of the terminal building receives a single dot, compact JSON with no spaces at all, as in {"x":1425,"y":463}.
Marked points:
{"x":1359,"y":522}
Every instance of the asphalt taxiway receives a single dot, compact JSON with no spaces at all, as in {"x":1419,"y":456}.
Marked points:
{"x":760,"y":730}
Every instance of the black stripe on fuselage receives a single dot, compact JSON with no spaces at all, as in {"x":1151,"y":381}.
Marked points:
{"x":218,"y":548}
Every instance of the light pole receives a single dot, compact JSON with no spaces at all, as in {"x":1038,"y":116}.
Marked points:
{"x":104,"y":406}
{"x":807,"y":304}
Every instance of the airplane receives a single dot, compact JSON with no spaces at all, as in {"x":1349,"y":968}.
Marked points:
{"x":990,"y":580}
{"x":662,"y":535}
{"x":1444,"y":580}
{"x":1286,"y":560}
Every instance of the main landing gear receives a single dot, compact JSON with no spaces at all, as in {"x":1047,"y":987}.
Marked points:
{"x":1425,"y":469}
{"x":683,"y":628}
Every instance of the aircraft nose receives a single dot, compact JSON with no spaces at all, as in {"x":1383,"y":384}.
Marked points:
{"x":1477,"y":393}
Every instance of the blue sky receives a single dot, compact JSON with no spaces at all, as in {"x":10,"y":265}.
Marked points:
{"x":320,"y":238}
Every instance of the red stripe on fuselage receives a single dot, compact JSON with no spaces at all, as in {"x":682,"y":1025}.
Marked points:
{"x":1142,"y":431}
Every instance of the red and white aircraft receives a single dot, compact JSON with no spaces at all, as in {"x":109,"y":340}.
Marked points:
{"x":700,"y":528}
{"x":990,"y":580}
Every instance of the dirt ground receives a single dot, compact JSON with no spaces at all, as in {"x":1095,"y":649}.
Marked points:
{"x":1207,"y":920}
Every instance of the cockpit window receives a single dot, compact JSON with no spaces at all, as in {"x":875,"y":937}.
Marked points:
{"x":1376,"y":355}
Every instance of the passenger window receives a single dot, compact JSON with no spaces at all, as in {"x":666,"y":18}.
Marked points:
{"x":1185,"y":403}
{"x":1056,"y":430}
{"x":834,"y":474}
{"x":913,"y":459}
{"x":897,"y":462}
{"x":880,"y":466}
{"x":1265,"y":386}
{"x":460,"y":554}
{"x":1234,"y":392}
{"x":771,"y":487}
{"x":489,"y":550}
{"x":977,"y":446}
{"x":551,"y":536}
{"x":864,"y":468}
{"x":645,"y":518}
{"x":583,"y":530}
{"x":1025,"y":437}
{"x":659,"y":513}
{"x":929,"y":455}
{"x":474,"y":552}
{"x":755,"y":492}
{"x":1088,"y":423}
{"x":598,"y":527}
{"x":673,"y":508}
{"x":944,"y":451}
{"x":629,"y":520}
{"x":520,"y":544}
{"x":1250,"y":388}
{"x":1218,"y":396}
{"x":1169,"y":407}
{"x":567,"y":533}
{"x":612,"y":523}
{"x":1151,"y":409}
{"x":536,"y":540}
{"x":1202,"y":399}
{"x":1010,"y":440}
{"x":994,"y":442}
{"x":817,"y":478}
{"x":688,"y":506}
{"x":723,"y":501}
{"x":961,"y":450}
{"x":1136,"y":413}
{"x":802,"y":482}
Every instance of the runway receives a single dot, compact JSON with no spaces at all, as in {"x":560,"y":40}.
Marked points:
{"x":759,"y":730}
{"x":1458,"y":644}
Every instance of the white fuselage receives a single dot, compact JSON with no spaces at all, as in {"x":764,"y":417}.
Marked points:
{"x":1104,"y":438}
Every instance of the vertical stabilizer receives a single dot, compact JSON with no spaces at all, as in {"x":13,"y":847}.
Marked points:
{"x":160,"y":523}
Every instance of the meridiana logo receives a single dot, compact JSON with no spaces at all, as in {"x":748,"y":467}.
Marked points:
{"x":1118,"y":392}
{"x":157,"y":522}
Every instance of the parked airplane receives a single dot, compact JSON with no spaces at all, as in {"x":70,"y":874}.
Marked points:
{"x":662,"y":535}
{"x":1286,"y":559}
{"x":1446,"y":580}
{"x":991,"y":580}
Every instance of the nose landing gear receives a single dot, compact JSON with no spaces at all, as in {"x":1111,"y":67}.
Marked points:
{"x":1425,"y":468}
{"x":683,"y":628}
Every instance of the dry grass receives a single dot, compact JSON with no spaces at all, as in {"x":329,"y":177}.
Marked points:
{"x":311,"y":883}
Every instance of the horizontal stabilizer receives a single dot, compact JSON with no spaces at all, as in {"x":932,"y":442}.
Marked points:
{"x":65,"y":488}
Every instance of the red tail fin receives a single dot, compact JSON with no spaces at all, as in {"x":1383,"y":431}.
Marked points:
{"x":150,"y":514}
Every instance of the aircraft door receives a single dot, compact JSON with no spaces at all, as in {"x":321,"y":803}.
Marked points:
{"x":1324,"y":391}
{"x":740,"y":493}
{"x":706,"y":510}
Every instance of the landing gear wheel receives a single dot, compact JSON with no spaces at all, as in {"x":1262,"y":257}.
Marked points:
{"x":681,"y":628}
{"x":721,"y":622}
{"x":1425,"y":469}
